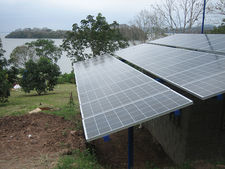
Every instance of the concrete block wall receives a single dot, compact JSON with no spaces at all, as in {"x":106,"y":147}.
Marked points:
{"x":198,"y":135}
{"x":171,"y":135}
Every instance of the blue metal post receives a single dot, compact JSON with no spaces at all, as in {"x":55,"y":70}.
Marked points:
{"x":130,"y":148}
{"x":203,"y":18}
{"x":220,"y":97}
{"x":177,"y":113}
{"x":106,"y":138}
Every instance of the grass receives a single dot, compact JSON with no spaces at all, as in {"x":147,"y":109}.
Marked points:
{"x":21,"y":103}
{"x":59,"y":99}
{"x":78,"y":160}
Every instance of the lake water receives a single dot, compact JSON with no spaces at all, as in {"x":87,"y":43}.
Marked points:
{"x":9,"y":44}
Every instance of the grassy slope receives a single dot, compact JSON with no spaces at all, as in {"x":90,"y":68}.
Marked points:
{"x":21,"y":103}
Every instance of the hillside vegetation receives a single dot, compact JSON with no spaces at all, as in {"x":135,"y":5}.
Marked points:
{"x":37,"y":33}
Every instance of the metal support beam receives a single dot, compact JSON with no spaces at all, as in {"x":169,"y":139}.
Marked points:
{"x":130,"y":148}
{"x":203,"y":17}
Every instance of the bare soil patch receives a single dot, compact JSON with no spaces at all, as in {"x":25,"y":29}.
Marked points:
{"x":36,"y":140}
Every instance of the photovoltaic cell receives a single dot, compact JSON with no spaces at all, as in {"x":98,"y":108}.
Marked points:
{"x":206,"y":42}
{"x":114,"y":96}
{"x":199,"y":73}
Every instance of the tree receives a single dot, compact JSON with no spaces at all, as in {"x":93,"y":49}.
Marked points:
{"x":180,"y":15}
{"x":3,"y":61}
{"x":34,"y":50}
{"x":4,"y":82}
{"x":46,"y":48}
{"x":41,"y":76}
{"x":22,"y":54}
{"x":219,"y":8}
{"x":150,"y":23}
{"x":95,"y":34}
{"x":175,"y":15}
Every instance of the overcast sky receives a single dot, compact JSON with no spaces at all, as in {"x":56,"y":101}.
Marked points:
{"x":61,"y":14}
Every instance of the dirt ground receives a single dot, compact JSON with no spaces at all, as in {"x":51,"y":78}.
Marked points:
{"x":37,"y":140}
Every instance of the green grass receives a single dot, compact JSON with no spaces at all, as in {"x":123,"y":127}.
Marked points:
{"x":66,"y":111}
{"x":59,"y":99}
{"x":78,"y":160}
{"x":21,"y":103}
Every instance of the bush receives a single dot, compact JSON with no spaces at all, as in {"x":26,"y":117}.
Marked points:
{"x":66,"y":78}
{"x":41,"y":76}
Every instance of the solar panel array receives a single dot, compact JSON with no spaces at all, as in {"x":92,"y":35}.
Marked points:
{"x":207,"y":42}
{"x":200,"y":73}
{"x":114,"y":96}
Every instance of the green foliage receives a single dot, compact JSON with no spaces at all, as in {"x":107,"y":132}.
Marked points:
{"x":4,"y":86}
{"x":45,"y":48}
{"x":93,"y":33}
{"x":37,"y":33}
{"x":4,"y":80}
{"x":66,"y":111}
{"x":220,"y":29}
{"x":78,"y":160}
{"x":66,"y":78}
{"x":1,"y":50}
{"x":22,"y":54}
{"x":41,"y":76}
{"x":12,"y":75}
{"x":33,"y":51}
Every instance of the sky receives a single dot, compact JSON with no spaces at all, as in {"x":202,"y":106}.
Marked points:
{"x":62,"y":14}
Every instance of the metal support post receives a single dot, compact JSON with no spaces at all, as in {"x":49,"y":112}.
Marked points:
{"x":130,"y":148}
{"x":203,"y":17}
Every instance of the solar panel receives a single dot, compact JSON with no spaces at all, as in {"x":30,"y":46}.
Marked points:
{"x":199,"y":73}
{"x":114,"y":96}
{"x":205,"y":42}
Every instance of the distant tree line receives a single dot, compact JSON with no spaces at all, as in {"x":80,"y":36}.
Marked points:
{"x":132,"y":33}
{"x":129,"y":32}
{"x":37,"y":33}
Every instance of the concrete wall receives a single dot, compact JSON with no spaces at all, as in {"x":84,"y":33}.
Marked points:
{"x":170,"y":134}
{"x":196,"y":134}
